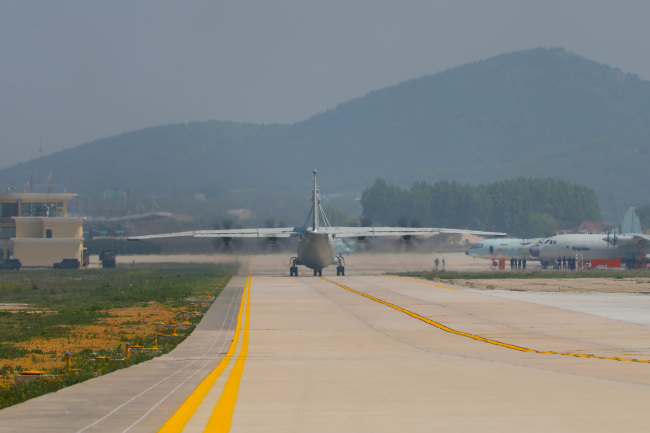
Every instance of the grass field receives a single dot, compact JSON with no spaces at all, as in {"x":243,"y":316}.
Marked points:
{"x":93,"y":313}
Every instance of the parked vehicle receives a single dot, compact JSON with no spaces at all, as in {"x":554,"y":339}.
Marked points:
{"x":13,"y":264}
{"x":67,"y":264}
{"x":107,"y":257}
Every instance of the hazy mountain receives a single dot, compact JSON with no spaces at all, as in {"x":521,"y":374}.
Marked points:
{"x":536,"y":113}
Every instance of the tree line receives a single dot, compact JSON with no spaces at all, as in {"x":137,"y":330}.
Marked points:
{"x":522,"y":207}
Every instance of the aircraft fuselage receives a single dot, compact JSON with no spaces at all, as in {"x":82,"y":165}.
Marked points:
{"x":584,"y":247}
{"x":316,"y":250}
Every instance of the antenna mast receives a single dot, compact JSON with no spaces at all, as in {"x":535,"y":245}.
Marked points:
{"x":316,"y":211}
{"x":316,"y":204}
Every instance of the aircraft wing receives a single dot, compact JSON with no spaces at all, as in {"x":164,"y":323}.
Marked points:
{"x":339,"y":232}
{"x":280,"y":232}
{"x":350,"y":232}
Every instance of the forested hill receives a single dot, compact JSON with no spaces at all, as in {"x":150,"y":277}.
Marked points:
{"x":543,"y":113}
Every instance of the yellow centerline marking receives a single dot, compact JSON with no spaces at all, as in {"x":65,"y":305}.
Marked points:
{"x":221,"y":417}
{"x":176,"y":423}
{"x":478,"y":337}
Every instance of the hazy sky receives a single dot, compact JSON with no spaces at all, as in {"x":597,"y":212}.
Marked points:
{"x":76,"y":71}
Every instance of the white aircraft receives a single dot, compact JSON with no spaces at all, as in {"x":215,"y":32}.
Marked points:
{"x":502,"y":248}
{"x":316,"y":245}
{"x":630,"y":248}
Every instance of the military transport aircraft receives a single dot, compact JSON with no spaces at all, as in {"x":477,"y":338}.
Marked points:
{"x":630,"y":248}
{"x":316,"y":245}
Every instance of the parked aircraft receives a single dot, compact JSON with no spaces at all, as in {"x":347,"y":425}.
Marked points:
{"x":502,"y":248}
{"x":316,"y":244}
{"x":630,"y":248}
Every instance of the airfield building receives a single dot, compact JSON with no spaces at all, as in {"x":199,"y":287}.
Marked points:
{"x":36,"y":229}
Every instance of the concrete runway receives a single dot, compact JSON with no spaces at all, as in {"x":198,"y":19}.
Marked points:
{"x":312,"y":356}
{"x":139,"y":398}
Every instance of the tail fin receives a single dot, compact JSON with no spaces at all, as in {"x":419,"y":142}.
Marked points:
{"x":631,"y":222}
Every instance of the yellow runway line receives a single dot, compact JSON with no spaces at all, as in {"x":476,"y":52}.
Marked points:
{"x":477,"y":337}
{"x":176,"y":423}
{"x":221,"y":417}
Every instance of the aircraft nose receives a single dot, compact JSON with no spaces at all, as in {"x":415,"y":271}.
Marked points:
{"x":534,"y":251}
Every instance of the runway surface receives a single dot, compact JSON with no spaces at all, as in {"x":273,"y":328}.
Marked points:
{"x":371,"y":353}
{"x":139,"y":398}
{"x":628,"y":307}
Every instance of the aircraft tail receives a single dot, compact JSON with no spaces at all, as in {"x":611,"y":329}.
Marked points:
{"x":631,"y":222}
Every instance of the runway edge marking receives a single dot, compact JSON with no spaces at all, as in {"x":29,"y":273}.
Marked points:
{"x":176,"y":423}
{"x":478,"y":337}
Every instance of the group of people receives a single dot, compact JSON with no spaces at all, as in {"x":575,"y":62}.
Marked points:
{"x":516,"y":263}
{"x":562,"y":263}
{"x":437,"y":263}
{"x":566,"y":263}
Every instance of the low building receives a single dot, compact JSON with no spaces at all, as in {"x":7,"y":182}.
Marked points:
{"x":36,"y":229}
{"x":589,"y":227}
{"x":584,"y":227}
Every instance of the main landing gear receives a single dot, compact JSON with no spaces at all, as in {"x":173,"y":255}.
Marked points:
{"x":293,"y":268}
